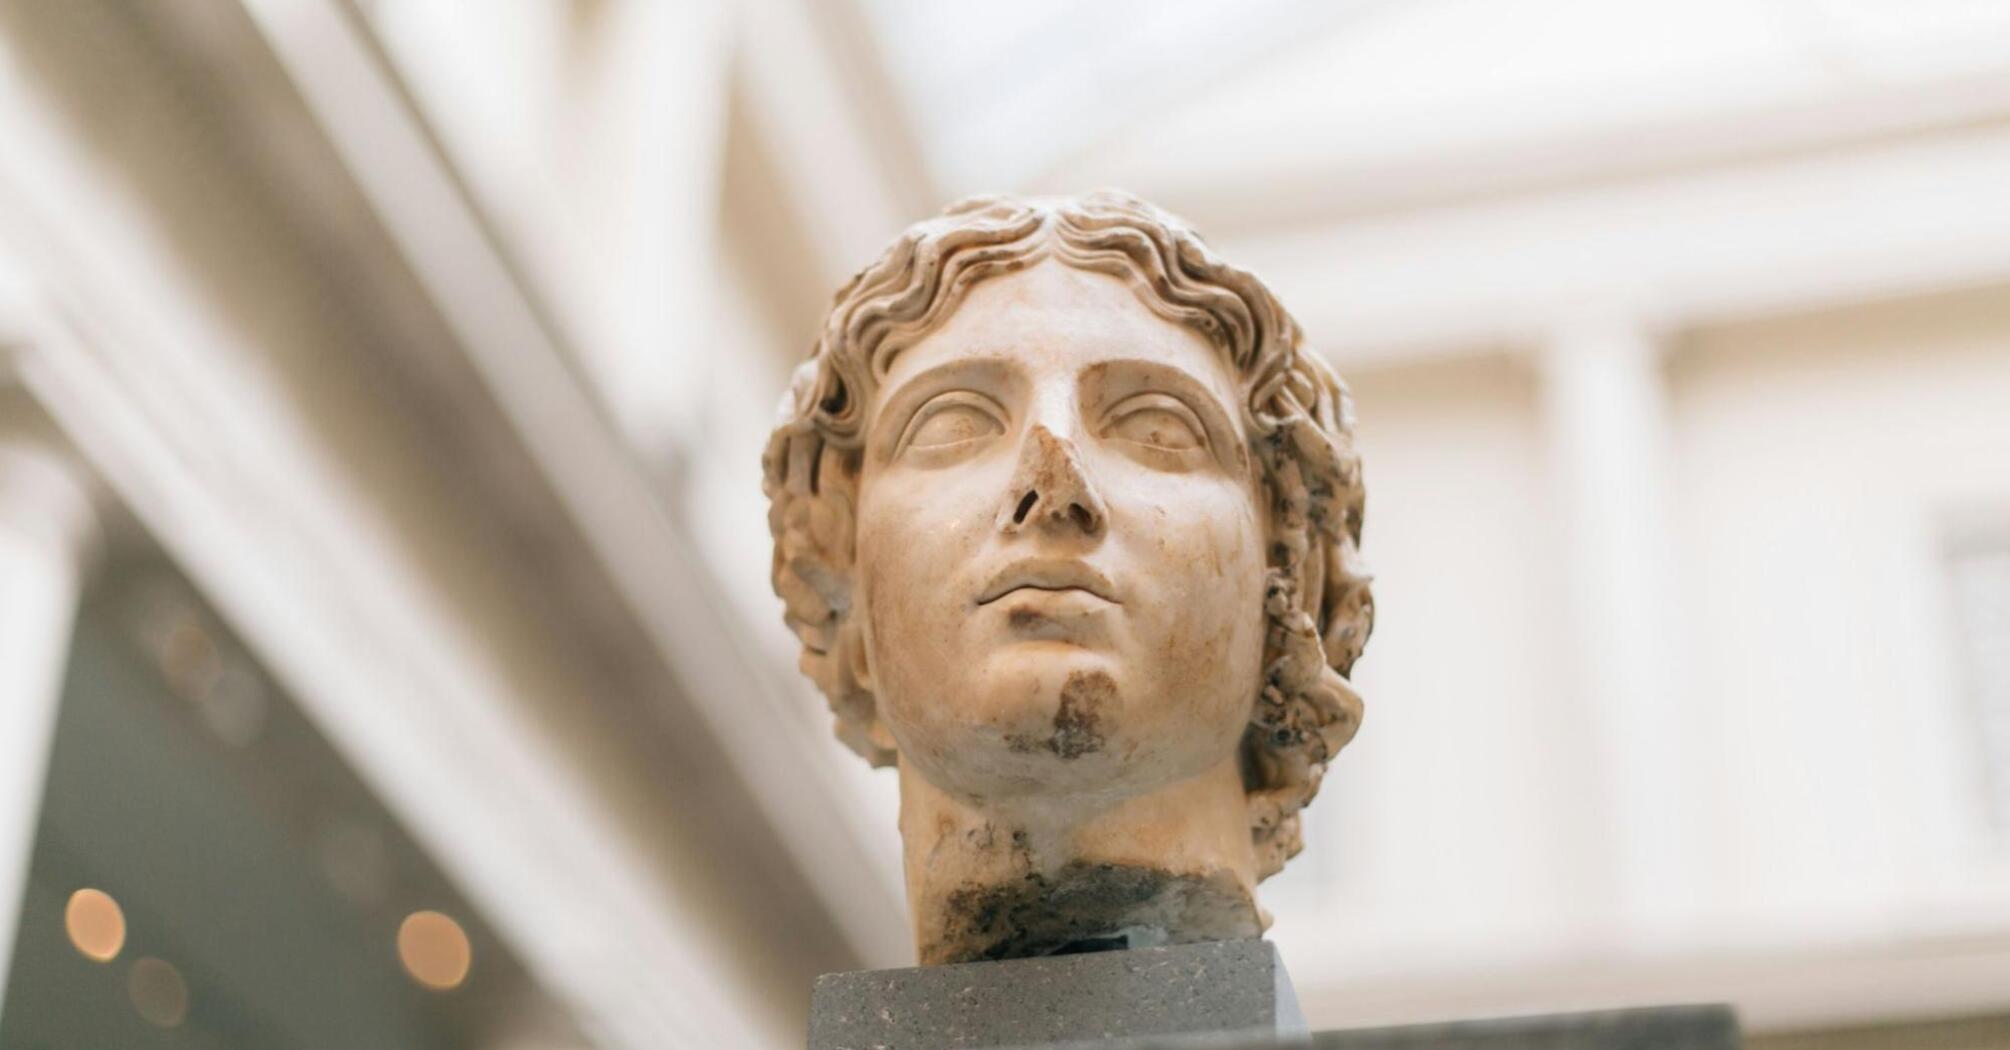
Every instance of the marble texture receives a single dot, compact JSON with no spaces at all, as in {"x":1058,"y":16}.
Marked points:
{"x":1067,"y":521}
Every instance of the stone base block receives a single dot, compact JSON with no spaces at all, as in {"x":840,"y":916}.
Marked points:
{"x":1222,"y":992}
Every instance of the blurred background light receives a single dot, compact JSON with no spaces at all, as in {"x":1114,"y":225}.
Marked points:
{"x":158,"y":992}
{"x":356,"y":860}
{"x":434,"y":950}
{"x":95,"y":924}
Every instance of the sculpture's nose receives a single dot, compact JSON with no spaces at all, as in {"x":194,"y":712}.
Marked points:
{"x":1051,"y":487}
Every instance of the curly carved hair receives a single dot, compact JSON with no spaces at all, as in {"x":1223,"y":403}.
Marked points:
{"x":1297,"y":414}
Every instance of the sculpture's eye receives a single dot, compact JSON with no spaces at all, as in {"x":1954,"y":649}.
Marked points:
{"x":1157,"y":421}
{"x":951,"y":420}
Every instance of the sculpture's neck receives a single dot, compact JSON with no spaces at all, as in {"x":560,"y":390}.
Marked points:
{"x":991,"y":880}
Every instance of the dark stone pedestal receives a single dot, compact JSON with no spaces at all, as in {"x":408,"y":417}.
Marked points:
{"x":1220,"y":994}
{"x":1231,"y":995}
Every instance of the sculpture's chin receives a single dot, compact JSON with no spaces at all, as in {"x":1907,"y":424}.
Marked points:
{"x":1061,"y":723}
{"x":1066,"y":767}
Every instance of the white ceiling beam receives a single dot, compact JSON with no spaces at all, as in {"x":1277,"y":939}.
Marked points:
{"x":853,"y":181}
{"x":1279,"y":177}
{"x":1908,"y":215}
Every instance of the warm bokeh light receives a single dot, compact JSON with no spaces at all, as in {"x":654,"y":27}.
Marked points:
{"x":158,"y":992}
{"x":434,"y":949}
{"x":356,"y":860}
{"x":189,"y":656}
{"x":96,"y":924}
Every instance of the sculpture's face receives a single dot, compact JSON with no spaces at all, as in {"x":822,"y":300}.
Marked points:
{"x":1060,"y":552}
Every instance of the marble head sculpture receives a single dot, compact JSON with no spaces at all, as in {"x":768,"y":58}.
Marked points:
{"x":1067,"y":521}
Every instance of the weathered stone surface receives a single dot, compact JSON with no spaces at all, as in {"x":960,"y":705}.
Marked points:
{"x":1067,"y":520}
{"x":1229,"y":990}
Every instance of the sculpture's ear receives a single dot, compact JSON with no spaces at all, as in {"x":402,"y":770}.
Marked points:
{"x":880,"y":736}
{"x":858,"y":662}
{"x":858,"y":658}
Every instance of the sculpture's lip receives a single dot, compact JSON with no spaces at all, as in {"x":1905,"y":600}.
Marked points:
{"x":1048,"y":574}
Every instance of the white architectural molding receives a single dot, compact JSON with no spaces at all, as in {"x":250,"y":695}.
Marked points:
{"x":47,"y":533}
{"x":649,"y":179}
{"x":593,"y":139}
{"x":1292,"y":178}
{"x":799,"y":101}
{"x":1685,"y":247}
{"x":788,"y":764}
{"x":177,"y":414}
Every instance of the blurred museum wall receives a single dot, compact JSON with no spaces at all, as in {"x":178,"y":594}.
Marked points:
{"x":385,"y":633}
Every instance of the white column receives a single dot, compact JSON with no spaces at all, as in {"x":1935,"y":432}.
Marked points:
{"x":1607,"y":415}
{"x":46,"y":528}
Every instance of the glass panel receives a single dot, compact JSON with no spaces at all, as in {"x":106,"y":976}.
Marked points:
{"x":209,"y":873}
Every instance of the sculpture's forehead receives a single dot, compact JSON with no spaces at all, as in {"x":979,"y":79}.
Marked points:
{"x":1056,"y":319}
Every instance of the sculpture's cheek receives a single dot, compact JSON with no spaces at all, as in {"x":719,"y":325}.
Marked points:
{"x":910,"y":635}
{"x":1199,"y":629}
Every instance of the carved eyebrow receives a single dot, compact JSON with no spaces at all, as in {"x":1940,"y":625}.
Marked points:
{"x":1131,"y":376}
{"x":899,"y":403}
